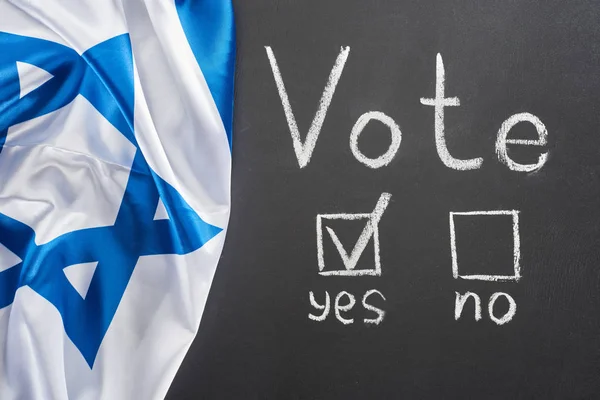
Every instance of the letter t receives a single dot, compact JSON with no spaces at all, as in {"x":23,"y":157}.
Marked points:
{"x":439,"y":103}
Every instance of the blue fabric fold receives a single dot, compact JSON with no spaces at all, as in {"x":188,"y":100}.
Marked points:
{"x":210,"y":30}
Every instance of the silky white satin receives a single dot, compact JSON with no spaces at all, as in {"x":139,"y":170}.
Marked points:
{"x":67,"y":170}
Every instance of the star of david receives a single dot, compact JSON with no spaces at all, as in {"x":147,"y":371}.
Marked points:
{"x":104,"y":76}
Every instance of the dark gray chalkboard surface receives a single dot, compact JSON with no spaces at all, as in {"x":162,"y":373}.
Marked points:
{"x":538,"y":61}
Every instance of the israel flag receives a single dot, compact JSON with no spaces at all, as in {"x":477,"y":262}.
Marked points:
{"x":115,"y":164}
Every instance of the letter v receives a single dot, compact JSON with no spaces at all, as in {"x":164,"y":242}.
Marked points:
{"x":304,"y":150}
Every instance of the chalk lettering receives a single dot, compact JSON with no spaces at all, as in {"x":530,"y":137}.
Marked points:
{"x":388,"y":156}
{"x":344,"y":308}
{"x":502,"y":141}
{"x":304,"y":150}
{"x":508,"y":316}
{"x":316,"y":305}
{"x":380,"y":313}
{"x":460,"y":302}
{"x":439,"y":102}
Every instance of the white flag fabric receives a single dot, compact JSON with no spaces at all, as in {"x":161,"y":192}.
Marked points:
{"x":115,"y":165}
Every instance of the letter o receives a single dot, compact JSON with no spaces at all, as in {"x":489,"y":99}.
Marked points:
{"x":512,"y":308}
{"x":388,"y":156}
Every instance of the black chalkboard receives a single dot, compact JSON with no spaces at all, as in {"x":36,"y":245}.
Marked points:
{"x":501,"y":58}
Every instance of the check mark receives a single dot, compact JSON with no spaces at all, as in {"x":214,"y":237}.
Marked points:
{"x":350,"y":260}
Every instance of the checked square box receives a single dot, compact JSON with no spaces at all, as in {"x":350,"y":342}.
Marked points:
{"x":483,"y":219}
{"x":350,"y":260}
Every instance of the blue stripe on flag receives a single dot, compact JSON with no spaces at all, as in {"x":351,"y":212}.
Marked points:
{"x":117,"y":248}
{"x":210,"y":30}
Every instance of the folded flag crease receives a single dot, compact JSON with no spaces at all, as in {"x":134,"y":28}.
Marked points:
{"x":115,"y":165}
